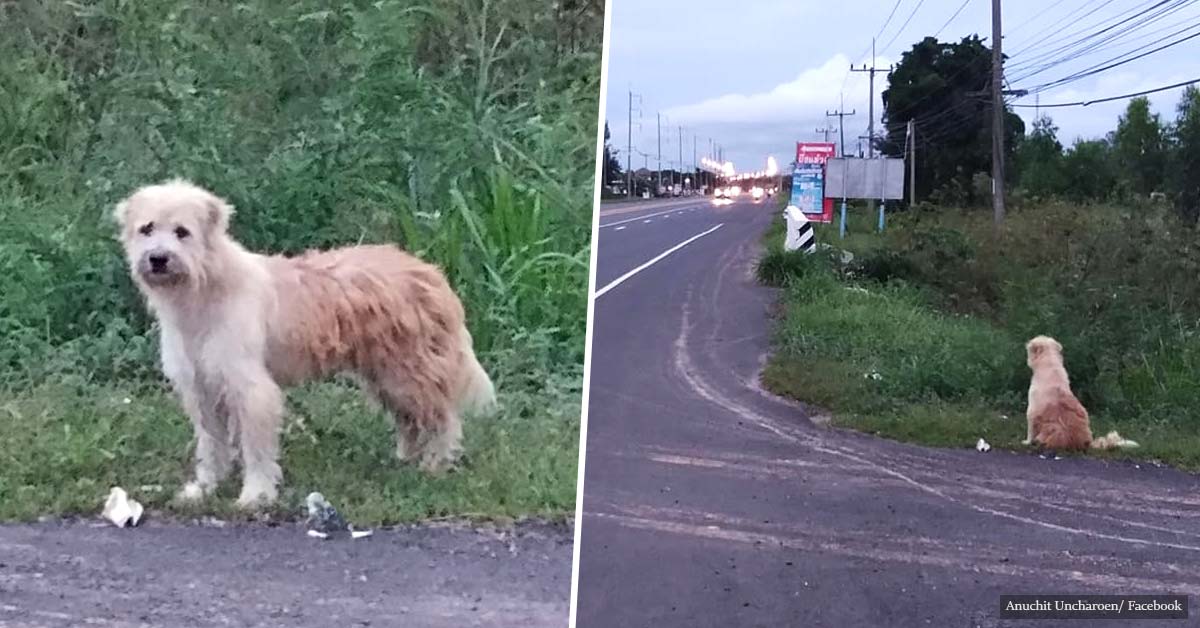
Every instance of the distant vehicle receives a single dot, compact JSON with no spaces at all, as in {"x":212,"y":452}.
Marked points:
{"x":735,"y":190}
{"x":718,"y":192}
{"x":757,"y":193}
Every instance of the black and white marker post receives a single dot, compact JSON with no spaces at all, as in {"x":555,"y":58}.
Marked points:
{"x":799,"y":231}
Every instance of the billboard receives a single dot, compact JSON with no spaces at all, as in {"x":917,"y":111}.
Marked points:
{"x":815,"y":152}
{"x":808,"y":185}
{"x":881,"y":178}
{"x":808,"y":180}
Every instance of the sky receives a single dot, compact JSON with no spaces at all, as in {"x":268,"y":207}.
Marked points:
{"x":756,"y":76}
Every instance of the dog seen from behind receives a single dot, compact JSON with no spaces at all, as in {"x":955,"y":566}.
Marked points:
{"x":1055,"y":417}
{"x":237,"y":326}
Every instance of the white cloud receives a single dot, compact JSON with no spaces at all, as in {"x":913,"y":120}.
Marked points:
{"x":811,"y":93}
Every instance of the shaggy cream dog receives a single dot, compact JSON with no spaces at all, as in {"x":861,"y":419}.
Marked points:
{"x":1055,"y":417}
{"x":236,"y":326}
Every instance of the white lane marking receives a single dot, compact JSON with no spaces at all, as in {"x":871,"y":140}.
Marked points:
{"x":619,"y":280}
{"x":646,"y":221}
{"x":618,"y":228}
{"x":621,"y":222}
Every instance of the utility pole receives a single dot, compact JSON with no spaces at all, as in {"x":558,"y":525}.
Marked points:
{"x":680,"y":159}
{"x":629,"y":152}
{"x":997,"y":118}
{"x":629,"y":146}
{"x":871,"y":98}
{"x":841,"y":116}
{"x":695,"y":164}
{"x":870,"y":109}
{"x":826,"y":130}
{"x":659,"y":154}
{"x":911,"y":140}
{"x":860,"y":144}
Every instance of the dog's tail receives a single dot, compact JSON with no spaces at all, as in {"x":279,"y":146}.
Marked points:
{"x":478,"y":394}
{"x":1113,"y":440}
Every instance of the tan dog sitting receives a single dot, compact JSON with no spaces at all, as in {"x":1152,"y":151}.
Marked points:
{"x":1055,"y":417}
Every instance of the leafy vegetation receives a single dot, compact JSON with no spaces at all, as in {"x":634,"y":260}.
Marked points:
{"x":463,"y":130}
{"x":943,"y":89}
{"x":921,"y":336}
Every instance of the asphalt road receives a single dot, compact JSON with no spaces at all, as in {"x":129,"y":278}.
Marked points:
{"x":709,"y":502}
{"x":60,"y":575}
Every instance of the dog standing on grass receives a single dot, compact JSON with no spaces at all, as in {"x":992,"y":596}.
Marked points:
{"x":1055,"y":417}
{"x":236,"y":326}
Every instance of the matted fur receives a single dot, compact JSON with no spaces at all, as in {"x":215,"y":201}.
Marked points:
{"x":1055,"y":417}
{"x":236,"y":326}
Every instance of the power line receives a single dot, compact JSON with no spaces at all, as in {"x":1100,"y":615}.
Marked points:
{"x":1084,"y":103}
{"x":872,"y":45}
{"x":1103,"y":68}
{"x":1053,"y":29}
{"x":1099,"y":45}
{"x":960,"y":8}
{"x":1066,"y":41}
{"x":904,"y":25}
{"x":887,"y":21}
{"x":1092,"y":41}
{"x":1034,"y":17}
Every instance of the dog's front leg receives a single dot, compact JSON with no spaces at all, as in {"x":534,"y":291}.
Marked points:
{"x":214,"y":458}
{"x":255,"y":405}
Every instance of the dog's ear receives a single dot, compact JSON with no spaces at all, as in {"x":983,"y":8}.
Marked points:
{"x":217,"y":214}
{"x":119,"y":212}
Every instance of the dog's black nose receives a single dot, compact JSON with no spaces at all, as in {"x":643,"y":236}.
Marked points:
{"x":158,"y":263}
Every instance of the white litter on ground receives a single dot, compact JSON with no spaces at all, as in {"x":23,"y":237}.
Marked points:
{"x":982,"y":445}
{"x":121,"y":510}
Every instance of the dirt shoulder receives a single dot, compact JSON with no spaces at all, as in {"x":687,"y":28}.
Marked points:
{"x":88,"y":573}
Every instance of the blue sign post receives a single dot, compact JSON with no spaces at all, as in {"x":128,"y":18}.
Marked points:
{"x":808,"y":188}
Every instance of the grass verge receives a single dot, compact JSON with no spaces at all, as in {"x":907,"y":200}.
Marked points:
{"x":461,"y":130}
{"x":894,"y":357}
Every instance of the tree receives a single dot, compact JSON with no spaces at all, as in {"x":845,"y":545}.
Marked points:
{"x":1138,"y":148}
{"x":1184,"y":165}
{"x":1039,"y":159}
{"x":1088,"y":170}
{"x":612,"y":165}
{"x":943,"y":87}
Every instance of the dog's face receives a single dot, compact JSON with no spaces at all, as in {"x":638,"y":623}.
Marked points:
{"x":167,"y":231}
{"x":1041,"y":348}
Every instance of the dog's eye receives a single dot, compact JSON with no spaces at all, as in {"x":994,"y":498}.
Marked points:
{"x":146,"y":229}
{"x":182,"y":233}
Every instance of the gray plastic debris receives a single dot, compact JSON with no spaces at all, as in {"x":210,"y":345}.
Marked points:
{"x":324,"y":521}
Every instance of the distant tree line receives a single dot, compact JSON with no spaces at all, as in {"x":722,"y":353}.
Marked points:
{"x":943,"y":88}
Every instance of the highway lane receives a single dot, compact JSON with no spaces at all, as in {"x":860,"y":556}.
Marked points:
{"x":708,"y":502}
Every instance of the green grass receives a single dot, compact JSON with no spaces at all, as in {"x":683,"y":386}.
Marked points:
{"x":68,"y":442}
{"x":462,"y":130}
{"x":895,"y":344}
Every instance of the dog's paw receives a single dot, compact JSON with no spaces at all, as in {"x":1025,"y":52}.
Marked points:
{"x":256,"y":495}
{"x":254,"y":500}
{"x":1027,"y":442}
